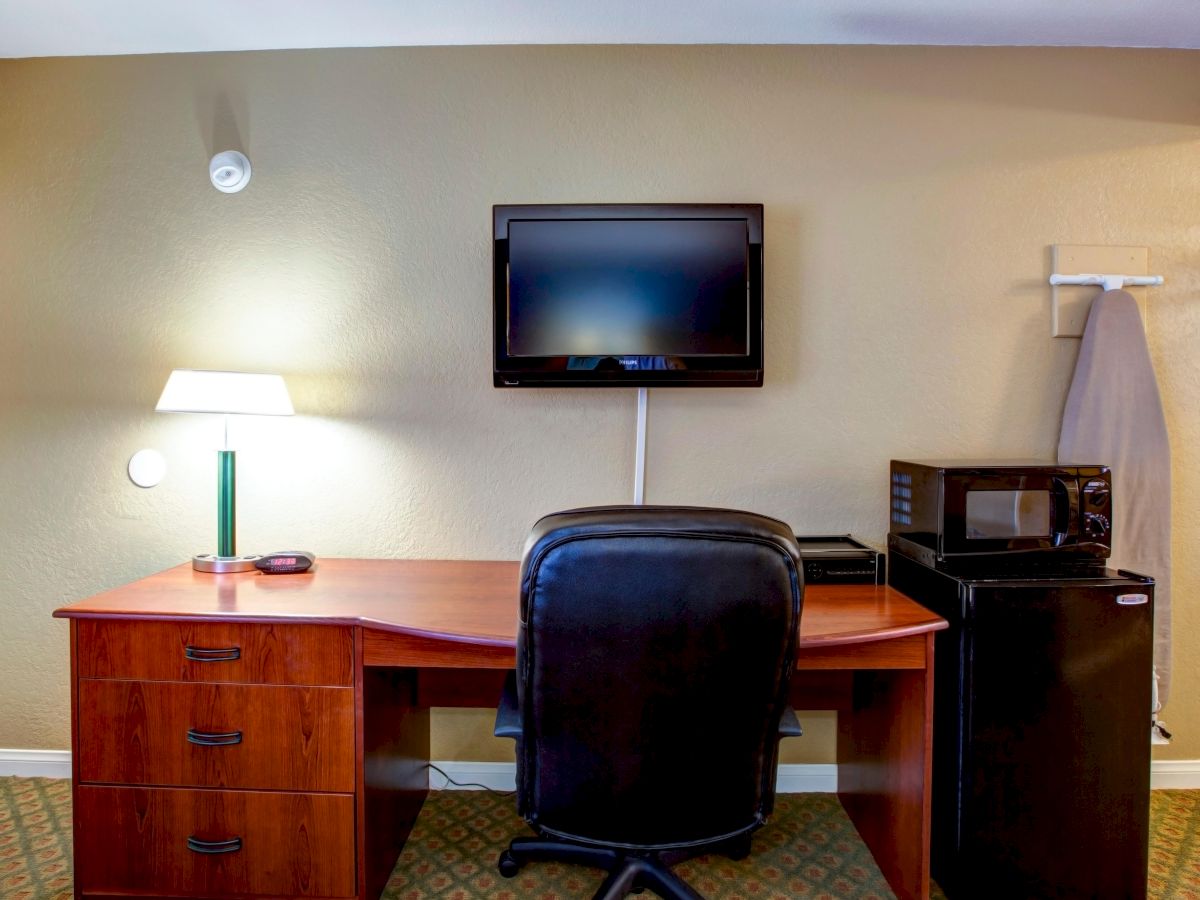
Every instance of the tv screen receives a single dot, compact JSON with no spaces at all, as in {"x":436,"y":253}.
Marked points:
{"x":640,"y":296}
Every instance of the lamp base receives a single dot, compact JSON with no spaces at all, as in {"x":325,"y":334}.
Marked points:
{"x":206,"y":562}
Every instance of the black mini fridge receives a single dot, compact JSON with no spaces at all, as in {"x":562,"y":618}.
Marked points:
{"x":1041,"y":750}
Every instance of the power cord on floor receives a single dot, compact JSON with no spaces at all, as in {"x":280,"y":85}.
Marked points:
{"x":464,"y":784}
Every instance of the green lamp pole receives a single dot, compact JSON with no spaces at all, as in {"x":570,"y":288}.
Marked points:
{"x":226,"y":559}
{"x":226,"y":503}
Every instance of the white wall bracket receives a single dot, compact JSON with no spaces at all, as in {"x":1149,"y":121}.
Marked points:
{"x":1108,"y":282}
{"x":1080,"y":268}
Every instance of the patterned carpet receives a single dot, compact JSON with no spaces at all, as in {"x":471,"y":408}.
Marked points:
{"x":810,"y":850}
{"x":35,"y":838}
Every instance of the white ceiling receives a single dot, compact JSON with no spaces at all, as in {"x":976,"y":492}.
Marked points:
{"x":97,"y":27}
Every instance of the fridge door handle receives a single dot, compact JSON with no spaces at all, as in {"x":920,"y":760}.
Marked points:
{"x":1133,"y":599}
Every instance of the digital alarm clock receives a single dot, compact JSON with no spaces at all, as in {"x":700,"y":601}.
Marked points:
{"x":285,"y":562}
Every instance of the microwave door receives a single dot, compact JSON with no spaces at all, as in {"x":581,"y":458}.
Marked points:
{"x":988,"y":515}
{"x":1008,"y":515}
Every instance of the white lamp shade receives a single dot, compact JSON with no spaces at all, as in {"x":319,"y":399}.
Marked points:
{"x":195,"y":390}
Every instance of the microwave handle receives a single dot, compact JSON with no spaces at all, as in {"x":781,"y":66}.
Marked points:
{"x":1064,"y":509}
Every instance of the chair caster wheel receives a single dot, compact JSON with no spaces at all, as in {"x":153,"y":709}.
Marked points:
{"x":507,"y":865}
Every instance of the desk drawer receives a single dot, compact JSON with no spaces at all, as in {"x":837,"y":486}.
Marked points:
{"x":213,"y":843}
{"x":257,"y":653}
{"x":216,"y":735}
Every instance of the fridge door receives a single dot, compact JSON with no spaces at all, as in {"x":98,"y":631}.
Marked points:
{"x":1054,"y":793}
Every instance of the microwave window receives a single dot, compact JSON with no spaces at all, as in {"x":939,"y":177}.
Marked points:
{"x":1007,"y":514}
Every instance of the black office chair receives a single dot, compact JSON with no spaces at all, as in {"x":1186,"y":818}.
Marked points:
{"x":654,"y":653}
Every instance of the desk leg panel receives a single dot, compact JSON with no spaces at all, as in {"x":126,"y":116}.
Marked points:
{"x":79,"y":858}
{"x":884,"y":768}
{"x":394,"y":778}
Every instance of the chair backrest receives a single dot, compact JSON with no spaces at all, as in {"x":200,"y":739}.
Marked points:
{"x":654,"y":653}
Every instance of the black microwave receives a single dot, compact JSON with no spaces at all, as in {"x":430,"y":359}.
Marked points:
{"x":970,"y":515}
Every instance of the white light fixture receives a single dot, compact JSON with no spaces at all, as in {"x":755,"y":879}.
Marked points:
{"x":227,"y":393}
{"x":229,"y":171}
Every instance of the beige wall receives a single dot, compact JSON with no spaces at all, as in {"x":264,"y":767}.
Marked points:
{"x":911,"y":196}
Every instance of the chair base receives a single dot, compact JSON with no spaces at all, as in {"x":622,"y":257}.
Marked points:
{"x":627,"y":871}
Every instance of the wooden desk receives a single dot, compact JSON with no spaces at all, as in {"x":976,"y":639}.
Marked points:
{"x":265,"y":736}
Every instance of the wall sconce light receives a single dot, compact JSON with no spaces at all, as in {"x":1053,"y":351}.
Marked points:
{"x":229,"y":171}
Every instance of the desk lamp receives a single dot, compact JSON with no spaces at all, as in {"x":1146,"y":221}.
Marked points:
{"x":227,"y":393}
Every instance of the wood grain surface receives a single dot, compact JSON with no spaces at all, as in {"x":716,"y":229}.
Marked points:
{"x":395,"y":777}
{"x":278,"y":653}
{"x":291,"y":737}
{"x":885,"y":754}
{"x":459,"y":601}
{"x":134,"y":840}
{"x":400,"y":636}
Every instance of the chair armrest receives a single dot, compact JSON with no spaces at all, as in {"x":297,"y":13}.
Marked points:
{"x":508,"y":716}
{"x":789,"y":725}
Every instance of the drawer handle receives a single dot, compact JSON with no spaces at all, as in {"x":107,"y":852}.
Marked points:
{"x":206,"y":654}
{"x":233,"y":845}
{"x":214,"y":738}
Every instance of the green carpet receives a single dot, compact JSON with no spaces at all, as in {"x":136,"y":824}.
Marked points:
{"x":810,"y":850}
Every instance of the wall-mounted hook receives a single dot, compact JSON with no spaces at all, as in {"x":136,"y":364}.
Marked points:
{"x":1108,"y":282}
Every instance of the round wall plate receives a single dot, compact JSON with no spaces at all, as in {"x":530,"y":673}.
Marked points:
{"x":147,"y":468}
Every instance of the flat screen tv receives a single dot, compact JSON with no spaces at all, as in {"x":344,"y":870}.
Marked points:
{"x":614,"y":295}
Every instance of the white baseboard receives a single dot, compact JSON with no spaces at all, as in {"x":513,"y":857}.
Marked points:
{"x":36,"y":763}
{"x":494,"y":776}
{"x":794,"y":778}
{"x":1177,"y":774}
{"x":806,"y":778}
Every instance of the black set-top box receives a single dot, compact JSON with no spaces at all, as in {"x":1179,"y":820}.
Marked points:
{"x":840,"y":559}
